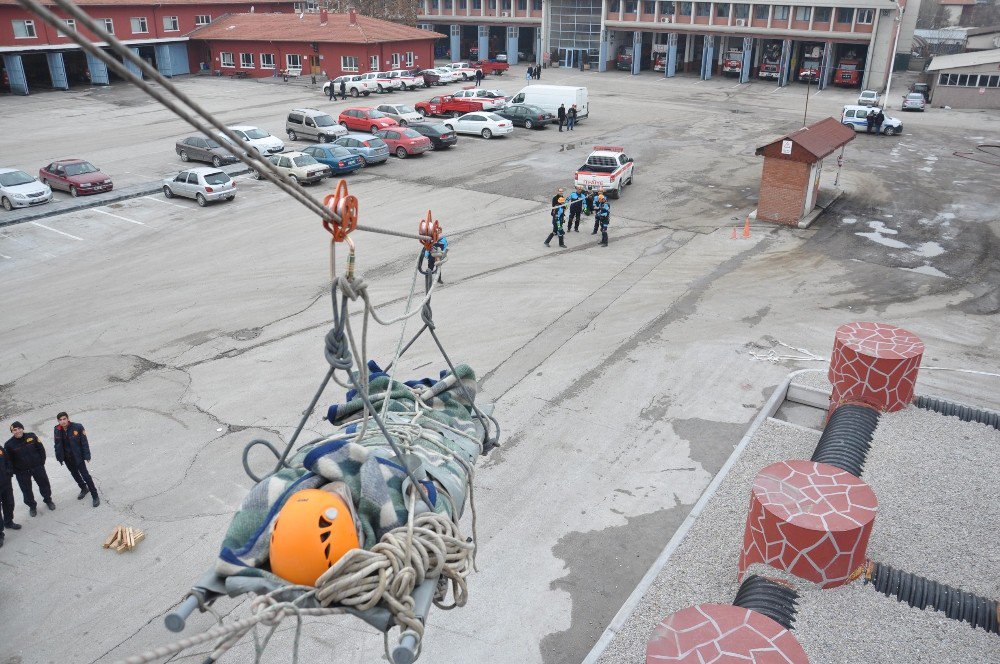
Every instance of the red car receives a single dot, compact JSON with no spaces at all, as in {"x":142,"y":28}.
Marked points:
{"x":77,"y":176}
{"x":404,"y":142}
{"x":365,"y":119}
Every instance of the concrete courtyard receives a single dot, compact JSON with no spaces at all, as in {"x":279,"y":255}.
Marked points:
{"x":622,"y":376}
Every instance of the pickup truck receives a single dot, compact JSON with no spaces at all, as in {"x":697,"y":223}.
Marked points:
{"x":489,"y":100}
{"x":490,"y":67}
{"x":381,"y":81}
{"x":409,"y":79}
{"x":354,"y":85}
{"x":607,"y":169}
{"x":463,"y":70}
{"x":448,"y":105}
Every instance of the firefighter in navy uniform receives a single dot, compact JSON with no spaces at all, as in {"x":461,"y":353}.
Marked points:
{"x":73,"y":449}
{"x":6,"y":495}
{"x":602,"y":216}
{"x":558,"y":215}
{"x":27,"y":454}
{"x":576,"y":199}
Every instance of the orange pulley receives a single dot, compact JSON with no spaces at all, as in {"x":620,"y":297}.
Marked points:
{"x":429,"y":227}
{"x":344,"y":205}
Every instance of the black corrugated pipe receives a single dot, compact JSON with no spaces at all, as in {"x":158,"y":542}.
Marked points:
{"x":770,"y":598}
{"x":922,"y":593}
{"x":964,"y":413}
{"x":847,"y":438}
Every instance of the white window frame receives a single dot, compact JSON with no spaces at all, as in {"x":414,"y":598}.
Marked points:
{"x":225,"y":56}
{"x":109,"y":25}
{"x":863,"y":14}
{"x":803,"y":13}
{"x":202,"y":19}
{"x":142,"y":22}
{"x":244,"y":58}
{"x":27,"y":26}
{"x":264,"y":58}
{"x":408,"y":58}
{"x":174,"y":21}
{"x":346,"y":63}
{"x":373,"y":62}
{"x":394,"y":61}
{"x":778,"y":10}
{"x":288,"y":61}
{"x":70,"y":24}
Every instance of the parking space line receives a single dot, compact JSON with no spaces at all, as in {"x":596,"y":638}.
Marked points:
{"x":159,"y":200}
{"x":49,"y":228}
{"x":778,"y":89}
{"x":131,"y":221}
{"x":5,"y":256}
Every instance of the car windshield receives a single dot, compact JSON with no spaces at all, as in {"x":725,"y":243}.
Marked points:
{"x":405,"y":109}
{"x":324,"y":121}
{"x":212,"y":144}
{"x":376,"y":114}
{"x":494,"y":117}
{"x":15,"y":178}
{"x":304,"y":160}
{"x":256,"y":133}
{"x":216,"y":177}
{"x":412,"y":133}
{"x":375,"y":143}
{"x":915,"y":96}
{"x":338,"y":151}
{"x":81,"y":168}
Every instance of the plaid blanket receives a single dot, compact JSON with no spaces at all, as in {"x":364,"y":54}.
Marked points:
{"x":433,"y":414}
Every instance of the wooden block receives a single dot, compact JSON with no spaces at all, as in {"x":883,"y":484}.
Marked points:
{"x":111,"y":539}
{"x":139,"y":536}
{"x":129,"y":541}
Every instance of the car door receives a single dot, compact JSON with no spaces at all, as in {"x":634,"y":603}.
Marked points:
{"x":472,"y":123}
{"x":199,"y":149}
{"x":59,"y":177}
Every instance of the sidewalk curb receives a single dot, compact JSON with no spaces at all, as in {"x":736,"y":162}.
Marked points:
{"x":75,"y":204}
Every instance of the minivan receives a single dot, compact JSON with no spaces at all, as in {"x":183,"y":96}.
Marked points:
{"x":308,"y":124}
{"x":549,"y":97}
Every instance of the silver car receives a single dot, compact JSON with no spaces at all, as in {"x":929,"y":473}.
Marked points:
{"x":18,"y":189}
{"x":401,"y":113}
{"x":204,"y":185}
{"x":914,"y":101}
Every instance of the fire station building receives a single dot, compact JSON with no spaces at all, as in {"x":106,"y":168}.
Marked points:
{"x":843,"y":42}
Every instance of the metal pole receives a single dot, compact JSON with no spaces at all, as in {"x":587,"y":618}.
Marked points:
{"x":806,"y":111}
{"x":892,"y":53}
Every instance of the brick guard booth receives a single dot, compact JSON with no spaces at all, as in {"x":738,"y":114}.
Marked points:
{"x":789,"y":185}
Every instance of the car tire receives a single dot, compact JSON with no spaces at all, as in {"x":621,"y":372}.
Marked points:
{"x":202,"y":201}
{"x":366,"y":93}
{"x":528,"y":124}
{"x":616,"y":193}
{"x":888,"y":131}
{"x":7,"y":205}
{"x":184,"y":156}
{"x":231,"y":198}
{"x":455,"y":114}
{"x":401,"y":152}
{"x":217,"y":161}
{"x":256,"y":174}
{"x":292,"y":136}
{"x":402,"y":122}
{"x":364,"y":162}
{"x":293,"y":179}
{"x":465,"y":77}
{"x":167,"y":193}
{"x":381,"y":90}
{"x":422,"y":112}
{"x":373,"y":129}
{"x":343,"y":124}
{"x":73,"y":192}
{"x":487,"y":134}
{"x":355,"y":93}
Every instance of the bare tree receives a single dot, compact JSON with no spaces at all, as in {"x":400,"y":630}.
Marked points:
{"x":397,"y":11}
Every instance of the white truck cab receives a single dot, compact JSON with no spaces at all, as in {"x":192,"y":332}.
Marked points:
{"x":607,"y":169}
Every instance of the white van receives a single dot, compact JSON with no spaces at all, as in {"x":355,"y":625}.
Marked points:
{"x":548,"y":97}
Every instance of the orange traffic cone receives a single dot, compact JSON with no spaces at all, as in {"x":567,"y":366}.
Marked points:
{"x":746,"y":227}
{"x":734,"y":234}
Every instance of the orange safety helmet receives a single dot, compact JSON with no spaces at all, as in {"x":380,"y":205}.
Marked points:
{"x":313,"y":531}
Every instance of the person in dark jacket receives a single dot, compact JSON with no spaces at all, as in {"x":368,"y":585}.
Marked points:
{"x":331,"y":90}
{"x":562,"y":115}
{"x":576,"y":199}
{"x":73,"y":449}
{"x":870,"y":120}
{"x":27,"y":454}
{"x":6,"y":495}
{"x":343,"y":90}
{"x":571,"y":118}
{"x":879,"y":119}
{"x":558,"y":215}
{"x":602,"y":214}
{"x":479,"y":77}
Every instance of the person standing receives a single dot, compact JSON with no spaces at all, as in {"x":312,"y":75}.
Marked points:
{"x":558,"y":215}
{"x":562,"y":116}
{"x":27,"y":454}
{"x":538,"y":72}
{"x":870,"y":120}
{"x":331,"y":90}
{"x":6,"y":495}
{"x":530,"y":74}
{"x":575,"y":209}
{"x":479,"y":77}
{"x":343,"y":90}
{"x":73,"y":449}
{"x":879,"y":119}
{"x":560,"y":192}
{"x":602,"y":216}
{"x":571,"y":118}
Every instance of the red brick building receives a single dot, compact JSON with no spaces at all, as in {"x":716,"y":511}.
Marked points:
{"x":314,"y":43}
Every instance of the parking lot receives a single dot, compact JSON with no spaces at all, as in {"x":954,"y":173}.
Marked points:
{"x":622,"y":376}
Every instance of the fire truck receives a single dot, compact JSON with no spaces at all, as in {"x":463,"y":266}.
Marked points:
{"x":623,"y":60}
{"x":732,"y":64}
{"x":812,"y":55}
{"x":770,"y":60}
{"x":848,"y":71}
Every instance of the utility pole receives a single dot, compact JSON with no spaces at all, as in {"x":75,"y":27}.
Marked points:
{"x":892,"y":53}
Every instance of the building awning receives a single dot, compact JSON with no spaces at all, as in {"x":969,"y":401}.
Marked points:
{"x":809,"y":144}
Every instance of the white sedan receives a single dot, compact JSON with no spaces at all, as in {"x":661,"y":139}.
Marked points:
{"x":486,"y":125}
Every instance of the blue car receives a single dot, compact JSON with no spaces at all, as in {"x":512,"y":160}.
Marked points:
{"x":340,"y":160}
{"x":371,"y":149}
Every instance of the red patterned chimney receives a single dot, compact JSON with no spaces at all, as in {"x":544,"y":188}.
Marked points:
{"x":322,"y":17}
{"x":354,"y":16}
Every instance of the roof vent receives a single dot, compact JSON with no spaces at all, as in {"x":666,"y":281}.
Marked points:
{"x":353,"y":16}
